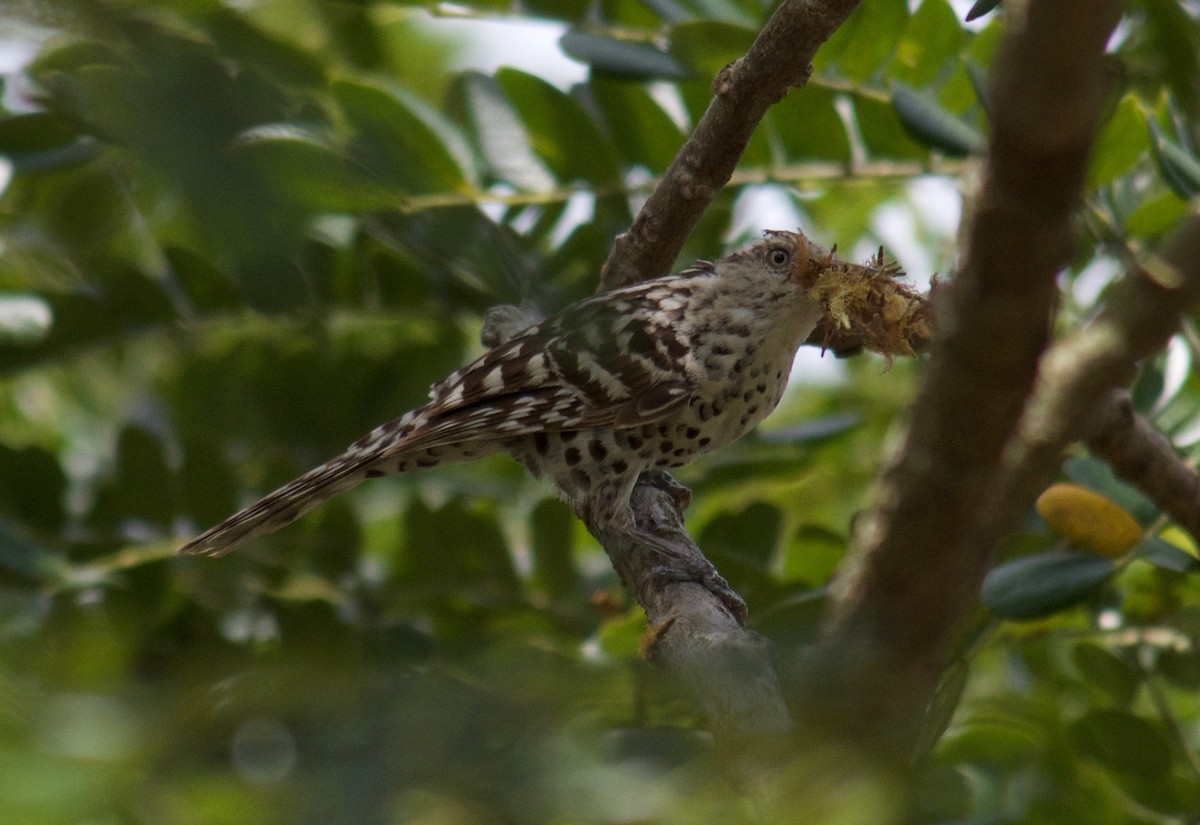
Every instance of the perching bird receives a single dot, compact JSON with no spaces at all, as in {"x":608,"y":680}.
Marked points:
{"x":639,"y":379}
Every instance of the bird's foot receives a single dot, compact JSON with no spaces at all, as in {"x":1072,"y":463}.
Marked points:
{"x":662,"y":480}
{"x":676,"y":567}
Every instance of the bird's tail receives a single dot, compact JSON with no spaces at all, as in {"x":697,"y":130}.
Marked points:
{"x":281,"y":507}
{"x":296,"y":498}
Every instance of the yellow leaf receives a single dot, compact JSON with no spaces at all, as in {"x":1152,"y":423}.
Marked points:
{"x":1089,"y":520}
{"x":1179,"y":537}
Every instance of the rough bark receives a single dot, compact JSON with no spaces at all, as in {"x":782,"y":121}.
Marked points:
{"x":916,"y":567}
{"x":743,"y":91}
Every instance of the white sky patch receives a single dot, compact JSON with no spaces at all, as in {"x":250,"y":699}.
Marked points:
{"x":19,"y":43}
{"x":911,"y":230}
{"x":764,"y":207}
{"x":529,"y":46}
{"x":1175,"y":370}
{"x":581,"y":207}
{"x":24,"y":318}
{"x":668,"y":97}
{"x":812,"y":368}
{"x":961,"y":7}
{"x":895,"y":224}
{"x":939,"y":203}
{"x":1092,"y":280}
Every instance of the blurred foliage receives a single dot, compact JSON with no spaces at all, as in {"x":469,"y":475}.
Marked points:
{"x":236,"y":236}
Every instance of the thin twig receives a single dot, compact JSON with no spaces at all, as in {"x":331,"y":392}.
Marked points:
{"x":744,"y":90}
{"x":798,"y":176}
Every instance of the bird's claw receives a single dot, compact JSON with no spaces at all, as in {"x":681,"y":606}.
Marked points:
{"x":664,"y":481}
{"x":702,"y":572}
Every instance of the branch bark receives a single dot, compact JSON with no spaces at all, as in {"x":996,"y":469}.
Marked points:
{"x":916,"y":567}
{"x":693,"y":633}
{"x":1075,"y":397}
{"x":743,"y":91}
{"x":727,"y":669}
{"x":1145,"y":458}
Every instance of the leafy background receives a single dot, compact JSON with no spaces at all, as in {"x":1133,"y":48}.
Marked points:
{"x":237,"y":236}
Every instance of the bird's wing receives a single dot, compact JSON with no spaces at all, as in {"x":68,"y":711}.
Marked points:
{"x":610,"y":361}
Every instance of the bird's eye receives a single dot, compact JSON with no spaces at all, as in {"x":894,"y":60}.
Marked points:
{"x":779,"y":257}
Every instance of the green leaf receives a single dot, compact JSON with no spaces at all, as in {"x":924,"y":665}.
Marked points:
{"x":929,"y":123}
{"x":1170,"y":43}
{"x":945,"y":703}
{"x":32,"y":487}
{"x":1166,"y":555}
{"x":995,"y":738}
{"x":932,"y":38}
{"x":208,"y":485}
{"x":622,"y":58}
{"x":1121,"y":143}
{"x":747,"y":538}
{"x":1123,"y":743}
{"x":286,"y":61}
{"x":1179,"y":168}
{"x":807,"y":126}
{"x":814,"y":430}
{"x":1148,"y":387}
{"x":116,"y":302}
{"x":553,"y":539}
{"x":23,"y":555}
{"x":1098,"y":475}
{"x":981,"y":86}
{"x":814,"y":554}
{"x":641,"y":131}
{"x":1180,"y":667}
{"x":144,"y":480}
{"x":883,"y":132}
{"x":621,"y":638}
{"x":36,"y":132}
{"x":864,"y":43}
{"x":567,"y":10}
{"x":752,"y":462}
{"x":455,"y":548}
{"x":1036,"y":586}
{"x":1105,"y":670}
{"x":793,"y":620}
{"x":22,"y":611}
{"x":1156,"y":215}
{"x":981,"y":7}
{"x":310,"y":171}
{"x":208,"y":288}
{"x":707,"y":46}
{"x":502,"y":139}
{"x":562,"y":133}
{"x":398,"y":135}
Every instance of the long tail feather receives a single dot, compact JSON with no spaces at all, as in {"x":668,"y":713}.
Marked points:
{"x":281,"y":507}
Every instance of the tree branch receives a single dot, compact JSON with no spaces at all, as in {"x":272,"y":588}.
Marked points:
{"x":743,"y":91}
{"x":727,"y":669}
{"x":694,"y":635}
{"x":1145,"y":458}
{"x":916,"y":569}
{"x":1074,"y":396}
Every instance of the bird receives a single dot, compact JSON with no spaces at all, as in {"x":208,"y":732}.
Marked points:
{"x":638,"y":380}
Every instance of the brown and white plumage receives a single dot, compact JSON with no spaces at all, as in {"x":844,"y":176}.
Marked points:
{"x":638,"y":379}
